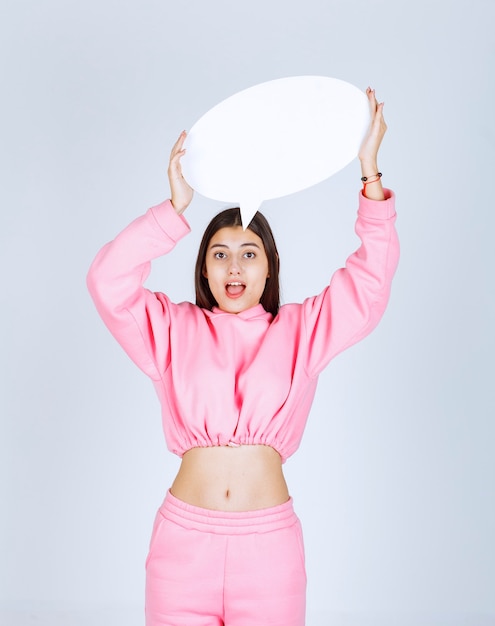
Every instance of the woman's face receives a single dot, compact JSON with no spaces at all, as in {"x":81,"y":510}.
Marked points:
{"x":236,"y":267}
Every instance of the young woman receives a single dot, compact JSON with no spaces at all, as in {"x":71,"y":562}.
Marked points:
{"x":236,"y":375}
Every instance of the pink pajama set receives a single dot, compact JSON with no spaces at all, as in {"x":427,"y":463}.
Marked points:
{"x":234,"y":379}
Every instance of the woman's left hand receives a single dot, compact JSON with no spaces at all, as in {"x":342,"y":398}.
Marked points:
{"x":368,"y":152}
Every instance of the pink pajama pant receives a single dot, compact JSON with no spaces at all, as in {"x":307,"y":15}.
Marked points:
{"x":215,"y":568}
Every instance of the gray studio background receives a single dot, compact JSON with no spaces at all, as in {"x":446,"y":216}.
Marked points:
{"x":394,"y":481}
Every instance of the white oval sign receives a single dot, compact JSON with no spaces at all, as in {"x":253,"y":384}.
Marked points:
{"x":274,"y":139}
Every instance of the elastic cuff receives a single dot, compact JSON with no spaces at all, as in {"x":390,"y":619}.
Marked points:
{"x":174,"y":225}
{"x":377,"y":209}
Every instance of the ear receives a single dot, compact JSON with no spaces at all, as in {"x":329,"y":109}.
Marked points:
{"x":204,"y":272}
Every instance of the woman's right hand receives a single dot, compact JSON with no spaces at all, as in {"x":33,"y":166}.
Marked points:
{"x":181,"y":192}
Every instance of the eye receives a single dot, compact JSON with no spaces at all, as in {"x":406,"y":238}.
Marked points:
{"x":250,"y":255}
{"x":219,"y":255}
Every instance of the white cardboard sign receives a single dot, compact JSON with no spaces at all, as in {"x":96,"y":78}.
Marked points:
{"x":274,"y":139}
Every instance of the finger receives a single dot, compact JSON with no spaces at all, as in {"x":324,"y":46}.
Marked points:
{"x":379,"y":112}
{"x":179,"y":143}
{"x":175,"y":159}
{"x":372,"y":101}
{"x":373,"y":104}
{"x":178,"y":154}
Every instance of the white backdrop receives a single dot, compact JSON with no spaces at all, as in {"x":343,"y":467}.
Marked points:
{"x":394,"y":481}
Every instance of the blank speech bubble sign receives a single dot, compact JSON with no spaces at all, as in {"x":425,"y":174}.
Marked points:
{"x":275,"y":139}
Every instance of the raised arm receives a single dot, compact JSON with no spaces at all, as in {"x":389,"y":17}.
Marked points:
{"x":137,"y":317}
{"x":354,"y":302}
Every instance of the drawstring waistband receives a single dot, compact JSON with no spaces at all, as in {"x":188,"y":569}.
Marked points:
{"x":228,"y":522}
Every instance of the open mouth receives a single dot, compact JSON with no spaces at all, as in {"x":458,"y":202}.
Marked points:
{"x":235,"y":289}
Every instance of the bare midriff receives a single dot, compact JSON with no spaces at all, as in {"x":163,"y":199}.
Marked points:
{"x":225,"y":478}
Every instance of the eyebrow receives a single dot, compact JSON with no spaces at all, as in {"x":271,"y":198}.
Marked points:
{"x":243,"y":245}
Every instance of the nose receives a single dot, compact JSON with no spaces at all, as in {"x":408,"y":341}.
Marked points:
{"x":234,"y":269}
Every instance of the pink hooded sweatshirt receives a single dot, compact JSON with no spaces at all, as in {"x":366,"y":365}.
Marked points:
{"x":246,"y":378}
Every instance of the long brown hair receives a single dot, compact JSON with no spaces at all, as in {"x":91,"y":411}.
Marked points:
{"x":270,"y":299}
